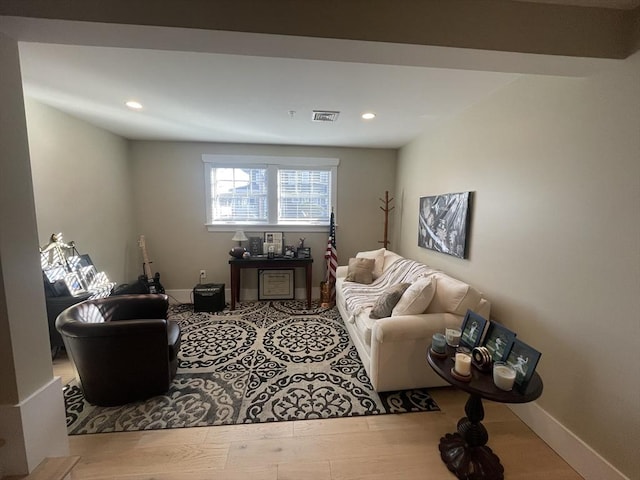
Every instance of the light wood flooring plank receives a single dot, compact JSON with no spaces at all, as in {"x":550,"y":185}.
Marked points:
{"x":385,"y":467}
{"x":338,"y":446}
{"x":107,"y":444}
{"x":174,"y":436}
{"x":377,"y":447}
{"x":173,"y":459}
{"x":257,"y":431}
{"x":330,"y":426}
{"x":268,"y":472}
{"x":51,"y":468}
{"x":300,"y":470}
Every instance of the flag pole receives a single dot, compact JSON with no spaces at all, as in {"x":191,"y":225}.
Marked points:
{"x":328,"y":289}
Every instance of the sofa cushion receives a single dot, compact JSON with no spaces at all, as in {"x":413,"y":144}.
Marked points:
{"x":453,"y":296}
{"x":385,"y":302}
{"x":416,"y":298}
{"x":378,"y":257}
{"x":363,"y":326}
{"x":389,"y":259}
{"x":360,"y":270}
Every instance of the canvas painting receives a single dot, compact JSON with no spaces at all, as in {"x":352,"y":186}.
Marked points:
{"x":444,"y":223}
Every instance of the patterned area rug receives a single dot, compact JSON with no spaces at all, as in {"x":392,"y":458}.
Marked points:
{"x":263,"y":362}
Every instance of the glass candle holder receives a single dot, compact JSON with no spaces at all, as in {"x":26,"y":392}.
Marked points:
{"x":463,"y":362}
{"x":453,"y":336}
{"x":438,"y":343}
{"x":503,"y":376}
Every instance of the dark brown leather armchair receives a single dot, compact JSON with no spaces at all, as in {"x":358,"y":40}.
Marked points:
{"x":123,"y":347}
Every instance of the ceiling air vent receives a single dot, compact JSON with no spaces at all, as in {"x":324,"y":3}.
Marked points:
{"x":324,"y":116}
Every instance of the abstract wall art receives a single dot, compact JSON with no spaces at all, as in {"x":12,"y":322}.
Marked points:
{"x":443,"y":223}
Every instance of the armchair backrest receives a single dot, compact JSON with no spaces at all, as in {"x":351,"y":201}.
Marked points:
{"x":119,"y":346}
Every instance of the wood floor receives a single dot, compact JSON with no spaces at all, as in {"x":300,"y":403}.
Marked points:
{"x":375,"y":447}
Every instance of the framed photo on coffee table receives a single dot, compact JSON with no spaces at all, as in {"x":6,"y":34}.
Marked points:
{"x":472,"y":329}
{"x":498,"y":341}
{"x":523,"y":359}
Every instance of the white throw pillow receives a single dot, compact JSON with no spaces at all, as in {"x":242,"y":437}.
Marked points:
{"x":378,"y":257}
{"x":416,"y":298}
{"x":453,"y":296}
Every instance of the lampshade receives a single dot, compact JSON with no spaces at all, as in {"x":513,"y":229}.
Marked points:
{"x":239,"y":236}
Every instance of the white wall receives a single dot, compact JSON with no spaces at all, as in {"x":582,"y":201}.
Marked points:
{"x":82,"y":188}
{"x":554,"y":164}
{"x":170,"y":203}
{"x":32,"y":422}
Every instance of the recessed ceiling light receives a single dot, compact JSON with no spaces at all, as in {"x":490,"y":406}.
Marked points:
{"x":133,"y":105}
{"x":368,"y":115}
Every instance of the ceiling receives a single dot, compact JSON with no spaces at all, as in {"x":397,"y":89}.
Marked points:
{"x":258,"y":88}
{"x":247,"y":99}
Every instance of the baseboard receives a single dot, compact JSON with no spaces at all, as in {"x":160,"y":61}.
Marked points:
{"x":582,"y":458}
{"x":33,"y":429}
{"x":249,"y":295}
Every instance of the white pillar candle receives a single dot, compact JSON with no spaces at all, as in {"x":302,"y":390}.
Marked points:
{"x":503,"y":376}
{"x":463,"y":364}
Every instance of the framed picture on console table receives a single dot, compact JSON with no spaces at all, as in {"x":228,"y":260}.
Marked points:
{"x":255,"y":246}
{"x":276,"y":239}
{"x":276,"y":284}
{"x":523,"y":359}
{"x":498,"y":341}
{"x":472,"y":329}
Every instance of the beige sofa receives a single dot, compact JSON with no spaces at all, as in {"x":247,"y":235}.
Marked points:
{"x":393,"y":349}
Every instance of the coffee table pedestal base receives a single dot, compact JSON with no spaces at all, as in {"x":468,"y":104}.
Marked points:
{"x":469,"y":463}
{"x":465,"y":453}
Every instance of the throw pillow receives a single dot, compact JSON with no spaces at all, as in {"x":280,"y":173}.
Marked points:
{"x":360,"y":270}
{"x":416,"y":298}
{"x":378,"y":257}
{"x":385,"y":302}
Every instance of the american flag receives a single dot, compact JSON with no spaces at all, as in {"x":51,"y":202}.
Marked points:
{"x":331,"y":255}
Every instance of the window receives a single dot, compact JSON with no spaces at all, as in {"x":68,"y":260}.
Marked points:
{"x":254,"y":190}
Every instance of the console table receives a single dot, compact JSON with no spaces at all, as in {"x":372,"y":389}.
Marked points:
{"x":465,"y":452}
{"x":236,"y":265}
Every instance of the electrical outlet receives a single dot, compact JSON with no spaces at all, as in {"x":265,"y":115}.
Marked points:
{"x":203,"y":274}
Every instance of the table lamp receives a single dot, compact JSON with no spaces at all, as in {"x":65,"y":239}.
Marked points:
{"x":238,"y":251}
{"x":239,"y":237}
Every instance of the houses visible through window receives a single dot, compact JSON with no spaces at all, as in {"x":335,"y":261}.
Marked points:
{"x":258,"y":190}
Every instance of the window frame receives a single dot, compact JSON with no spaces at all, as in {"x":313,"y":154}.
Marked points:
{"x":272,"y":164}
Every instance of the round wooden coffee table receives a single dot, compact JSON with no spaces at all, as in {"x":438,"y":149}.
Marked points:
{"x":465,"y":452}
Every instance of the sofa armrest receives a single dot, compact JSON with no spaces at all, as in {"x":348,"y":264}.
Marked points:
{"x":411,"y":327}
{"x":399,"y":347}
{"x":341,"y":271}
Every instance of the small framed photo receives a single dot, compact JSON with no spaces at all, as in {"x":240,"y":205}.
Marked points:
{"x":55,"y":273}
{"x":273,"y":237}
{"x":74,"y":284}
{"x":304,"y":252}
{"x":472,"y":329}
{"x":255,"y":246}
{"x":523,"y":359}
{"x":498,"y":341}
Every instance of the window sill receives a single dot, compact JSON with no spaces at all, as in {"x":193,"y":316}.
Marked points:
{"x":247,"y":229}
